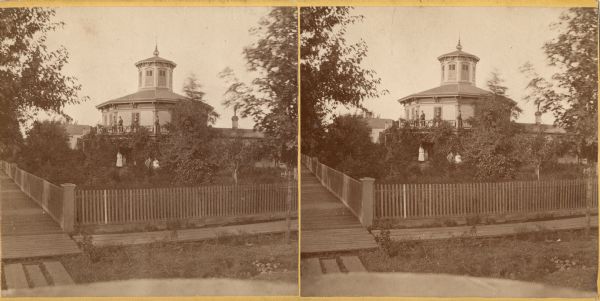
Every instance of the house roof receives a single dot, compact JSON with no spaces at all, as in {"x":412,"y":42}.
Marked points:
{"x":156,"y":59}
{"x":145,"y":95}
{"x":77,"y":129}
{"x":457,"y":53}
{"x":378,"y":123}
{"x":458,"y":89}
{"x":240,"y":133}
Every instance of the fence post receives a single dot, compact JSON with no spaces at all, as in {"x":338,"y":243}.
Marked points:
{"x":367,"y":199}
{"x":68,"y":208}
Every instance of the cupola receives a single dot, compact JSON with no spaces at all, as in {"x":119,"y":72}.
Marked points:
{"x":458,"y":67}
{"x":155,"y":72}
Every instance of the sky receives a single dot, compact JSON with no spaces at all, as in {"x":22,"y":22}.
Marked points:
{"x":404,"y":43}
{"x":104,"y":43}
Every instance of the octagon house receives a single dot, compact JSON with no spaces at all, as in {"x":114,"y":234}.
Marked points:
{"x":149,"y":106}
{"x":454,"y":101}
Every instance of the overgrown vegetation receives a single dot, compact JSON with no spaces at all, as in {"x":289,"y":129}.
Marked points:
{"x":565,"y":258}
{"x":242,"y":257}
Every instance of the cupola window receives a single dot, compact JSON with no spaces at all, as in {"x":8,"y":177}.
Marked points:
{"x":162,"y":78}
{"x":452,"y":72}
{"x":149,"y":78}
{"x":464,"y":75}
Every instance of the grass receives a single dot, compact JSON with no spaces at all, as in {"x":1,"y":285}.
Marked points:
{"x":265,"y":257}
{"x":563,"y":258}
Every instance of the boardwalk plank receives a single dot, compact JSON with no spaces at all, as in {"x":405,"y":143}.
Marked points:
{"x":57,"y":272}
{"x":15,"y":276}
{"x":353,"y":264}
{"x":330,"y":266}
{"x":35,"y":275}
{"x":311,"y":267}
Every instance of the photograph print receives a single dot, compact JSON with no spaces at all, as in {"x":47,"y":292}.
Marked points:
{"x":449,"y":151}
{"x":148,"y":151}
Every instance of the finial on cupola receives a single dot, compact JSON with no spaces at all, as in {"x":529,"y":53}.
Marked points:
{"x":458,"y":46}
{"x":156,"y":50}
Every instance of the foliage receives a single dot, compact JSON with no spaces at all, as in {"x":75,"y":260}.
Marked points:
{"x":571,"y":94}
{"x":235,"y":153}
{"x":30,"y":74}
{"x":491,"y":147}
{"x":186,"y":151}
{"x":351,"y":150}
{"x":271,"y":98}
{"x":193,"y":90}
{"x":46,"y":152}
{"x":331,"y":70}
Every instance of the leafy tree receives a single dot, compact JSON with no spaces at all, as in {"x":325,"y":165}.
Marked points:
{"x":236,"y":153}
{"x":571,"y":94}
{"x":271,"y":98}
{"x":331,"y":70}
{"x":351,"y":149}
{"x":30,"y":74}
{"x":538,"y":150}
{"x":46,"y":153}
{"x":193,"y":90}
{"x":186,"y":150}
{"x":491,"y":147}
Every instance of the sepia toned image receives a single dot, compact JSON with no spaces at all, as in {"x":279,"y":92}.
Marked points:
{"x":449,"y":151}
{"x":149,"y":151}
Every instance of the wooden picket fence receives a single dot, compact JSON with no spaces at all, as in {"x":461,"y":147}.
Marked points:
{"x":409,"y":201}
{"x":120,"y":206}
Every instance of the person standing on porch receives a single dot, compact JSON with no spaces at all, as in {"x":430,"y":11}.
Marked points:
{"x":156,"y":124}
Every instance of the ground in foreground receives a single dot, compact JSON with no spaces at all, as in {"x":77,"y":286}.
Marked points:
{"x":564,"y":258}
{"x":263,"y":257}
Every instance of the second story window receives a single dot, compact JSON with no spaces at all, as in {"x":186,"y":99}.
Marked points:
{"x":149,"y":78}
{"x":464,"y":75}
{"x":162,"y":77}
{"x":452,"y":72}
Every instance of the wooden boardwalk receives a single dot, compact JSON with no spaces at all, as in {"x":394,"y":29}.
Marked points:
{"x":490,"y":230}
{"x":327,"y":225}
{"x":27,"y":231}
{"x":185,"y":235}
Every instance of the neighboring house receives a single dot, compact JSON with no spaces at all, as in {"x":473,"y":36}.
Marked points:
{"x":377,"y":125}
{"x":75,"y":132}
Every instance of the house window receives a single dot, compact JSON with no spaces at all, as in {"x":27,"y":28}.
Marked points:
{"x":452,"y":72}
{"x":464,"y":75}
{"x":149,"y":78}
{"x":140,"y":78}
{"x":162,"y":77}
{"x":437,"y":112}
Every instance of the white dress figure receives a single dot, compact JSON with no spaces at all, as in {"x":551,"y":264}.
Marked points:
{"x":155,"y":164}
{"x":421,"y":154}
{"x":119,"y":160}
{"x":457,"y":159}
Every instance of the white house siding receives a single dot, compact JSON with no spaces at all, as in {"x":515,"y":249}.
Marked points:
{"x":467,"y":111}
{"x":146,"y":117}
{"x":448,"y":111}
{"x":164,"y":117}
